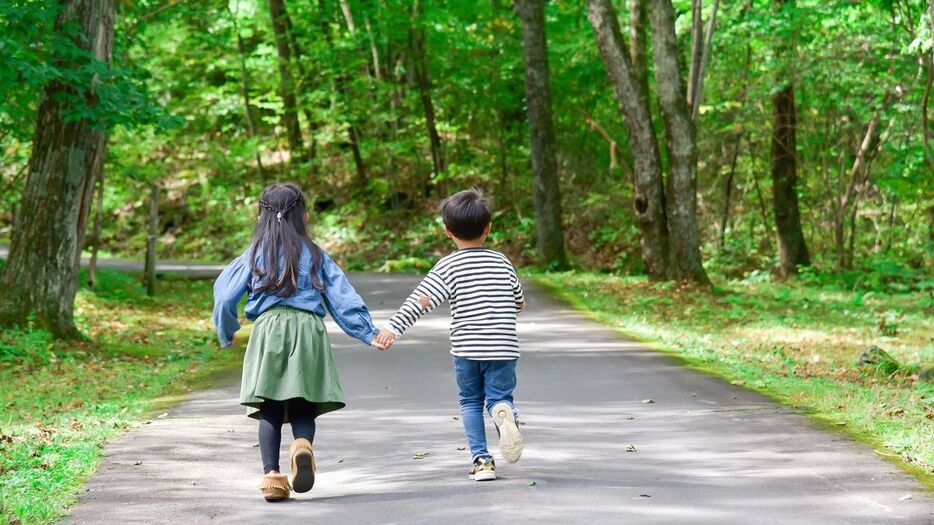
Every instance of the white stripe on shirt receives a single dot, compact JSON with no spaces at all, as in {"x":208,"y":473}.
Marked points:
{"x":485,"y":297}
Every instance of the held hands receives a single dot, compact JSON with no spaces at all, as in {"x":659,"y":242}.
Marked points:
{"x":384,"y":340}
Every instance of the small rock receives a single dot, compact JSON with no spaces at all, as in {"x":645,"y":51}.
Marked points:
{"x":645,"y":495}
{"x":421,"y":455}
{"x":738,"y":382}
{"x":138,"y":463}
{"x":532,"y":483}
{"x":629,"y":418}
{"x":906,"y":497}
{"x":630,"y":448}
{"x":341,"y":460}
{"x":840,"y":423}
{"x":647,"y":401}
{"x":461,"y":448}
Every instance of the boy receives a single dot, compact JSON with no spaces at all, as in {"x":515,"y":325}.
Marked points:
{"x":485,"y":297}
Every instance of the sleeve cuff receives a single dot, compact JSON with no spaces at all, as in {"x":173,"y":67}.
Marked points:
{"x":369,"y":337}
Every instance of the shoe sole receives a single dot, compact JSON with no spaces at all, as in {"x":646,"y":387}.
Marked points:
{"x":484,"y":475}
{"x":303,"y":467}
{"x":510,"y":439}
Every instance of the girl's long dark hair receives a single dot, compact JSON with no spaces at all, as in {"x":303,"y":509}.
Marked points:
{"x":281,"y":232}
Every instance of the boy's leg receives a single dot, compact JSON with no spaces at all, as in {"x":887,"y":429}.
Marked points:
{"x":469,"y":377}
{"x":271,"y":414}
{"x":500,"y":381}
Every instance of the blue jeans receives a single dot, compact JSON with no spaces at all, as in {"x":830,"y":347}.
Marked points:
{"x":491,"y":382}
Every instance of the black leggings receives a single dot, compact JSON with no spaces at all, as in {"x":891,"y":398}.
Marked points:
{"x":271,"y":416}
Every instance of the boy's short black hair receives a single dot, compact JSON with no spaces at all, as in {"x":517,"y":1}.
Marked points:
{"x":466,"y":214}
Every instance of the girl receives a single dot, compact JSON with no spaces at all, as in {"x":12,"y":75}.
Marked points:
{"x":288,"y":369}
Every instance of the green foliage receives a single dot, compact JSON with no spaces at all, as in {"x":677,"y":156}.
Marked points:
{"x":850,"y":61}
{"x":26,"y":347}
{"x":63,"y":401}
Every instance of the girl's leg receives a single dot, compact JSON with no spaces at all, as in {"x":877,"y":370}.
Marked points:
{"x":271,"y":414}
{"x":302,"y":417}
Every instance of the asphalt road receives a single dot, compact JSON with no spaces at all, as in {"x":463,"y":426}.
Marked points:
{"x":705,"y":451}
{"x":191,"y":270}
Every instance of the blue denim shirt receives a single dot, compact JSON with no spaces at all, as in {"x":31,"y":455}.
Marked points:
{"x":339,"y":297}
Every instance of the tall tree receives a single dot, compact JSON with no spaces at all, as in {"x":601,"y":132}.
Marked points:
{"x":423,"y":81}
{"x":628,"y":79}
{"x":279,"y":15}
{"x":682,"y":145}
{"x":546,"y":193}
{"x":792,"y":248}
{"x":68,"y":152}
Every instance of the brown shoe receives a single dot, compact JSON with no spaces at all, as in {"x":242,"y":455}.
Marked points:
{"x":302,"y":476}
{"x":275,"y":487}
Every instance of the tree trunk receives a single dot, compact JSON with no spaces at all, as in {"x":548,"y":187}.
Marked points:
{"x":150,"y":272}
{"x":698,"y":95}
{"x":420,"y":69}
{"x":929,"y":66}
{"x":353,"y":133}
{"x":792,"y":248}
{"x":98,"y":224}
{"x":68,"y":154}
{"x":728,"y":191}
{"x":637,"y":42}
{"x":649,"y":201}
{"x":547,"y":195}
{"x":245,"y":92}
{"x":293,"y":132}
{"x":682,"y":150}
{"x":697,"y":50}
{"x":737,"y":140}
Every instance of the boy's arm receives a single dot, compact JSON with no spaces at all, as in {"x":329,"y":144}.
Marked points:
{"x":517,"y":288}
{"x":430,"y":293}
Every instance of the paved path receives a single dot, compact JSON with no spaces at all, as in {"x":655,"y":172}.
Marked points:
{"x":192,"y":270}
{"x":706,"y":451}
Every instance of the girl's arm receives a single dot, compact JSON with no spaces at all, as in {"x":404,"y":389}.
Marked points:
{"x":428,"y":295}
{"x":228,"y":290}
{"x":345,"y":304}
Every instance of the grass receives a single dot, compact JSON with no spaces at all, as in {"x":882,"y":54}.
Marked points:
{"x":798,"y":343}
{"x":62,"y":401}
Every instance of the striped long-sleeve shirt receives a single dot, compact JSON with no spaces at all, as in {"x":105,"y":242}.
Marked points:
{"x":485,"y":297}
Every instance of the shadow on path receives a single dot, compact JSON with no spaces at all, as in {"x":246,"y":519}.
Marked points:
{"x":706,"y":451}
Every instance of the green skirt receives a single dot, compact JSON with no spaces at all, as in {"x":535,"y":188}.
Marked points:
{"x":289,"y":356}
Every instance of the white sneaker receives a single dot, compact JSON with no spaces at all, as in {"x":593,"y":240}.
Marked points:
{"x":510,"y":439}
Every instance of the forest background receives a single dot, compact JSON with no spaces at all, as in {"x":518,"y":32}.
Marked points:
{"x":748,"y":184}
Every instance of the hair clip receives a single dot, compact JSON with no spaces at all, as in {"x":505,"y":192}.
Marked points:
{"x":279,"y":216}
